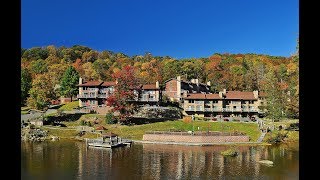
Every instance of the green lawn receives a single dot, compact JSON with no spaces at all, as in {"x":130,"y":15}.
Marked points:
{"x":69,"y":106}
{"x":66,"y":133}
{"x":136,"y":132}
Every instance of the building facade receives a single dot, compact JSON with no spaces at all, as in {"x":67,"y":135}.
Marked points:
{"x":175,"y":88}
{"x":224,"y":104}
{"x":95,"y":93}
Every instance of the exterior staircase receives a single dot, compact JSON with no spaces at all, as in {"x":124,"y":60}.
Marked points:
{"x":261,"y":137}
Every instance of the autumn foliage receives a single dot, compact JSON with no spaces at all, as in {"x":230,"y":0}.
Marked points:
{"x":121,"y":99}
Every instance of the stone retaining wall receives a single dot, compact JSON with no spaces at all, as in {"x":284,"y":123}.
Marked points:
{"x":194,"y":139}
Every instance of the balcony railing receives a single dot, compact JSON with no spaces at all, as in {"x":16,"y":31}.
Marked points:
{"x":235,"y":102}
{"x":217,"y":109}
{"x":232,"y":109}
{"x":102,"y":96}
{"x":198,"y":102}
{"x":86,"y":96}
{"x":190,"y":109}
{"x":207,"y":109}
{"x":148,"y":99}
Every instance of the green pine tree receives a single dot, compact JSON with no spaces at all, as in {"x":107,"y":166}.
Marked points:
{"x":69,"y":81}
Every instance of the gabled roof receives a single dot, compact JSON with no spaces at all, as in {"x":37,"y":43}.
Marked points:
{"x":149,"y":87}
{"x":109,"y":83}
{"x":202,"y":96}
{"x":246,"y":95}
{"x":91,"y":83}
{"x":195,"y":96}
{"x":213,"y":96}
{"x":262,"y":94}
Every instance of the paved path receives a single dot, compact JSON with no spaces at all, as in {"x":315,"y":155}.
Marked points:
{"x":261,"y":137}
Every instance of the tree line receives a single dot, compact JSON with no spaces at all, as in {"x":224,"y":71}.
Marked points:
{"x":43,"y":72}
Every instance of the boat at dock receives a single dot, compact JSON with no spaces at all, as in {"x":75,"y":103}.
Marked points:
{"x":108,"y":140}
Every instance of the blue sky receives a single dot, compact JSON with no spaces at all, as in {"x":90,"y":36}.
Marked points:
{"x":177,"y":28}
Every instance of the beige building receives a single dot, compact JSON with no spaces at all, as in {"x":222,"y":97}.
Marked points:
{"x":176,"y":87}
{"x":95,"y":93}
{"x":226,"y":104}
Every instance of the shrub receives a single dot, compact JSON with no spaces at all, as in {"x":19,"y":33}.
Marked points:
{"x":236,"y":120}
{"x":110,"y":119}
{"x":82,"y":123}
{"x":32,"y":126}
{"x":277,"y":137}
{"x":293,"y":127}
{"x":230,"y":152}
{"x":187,"y":119}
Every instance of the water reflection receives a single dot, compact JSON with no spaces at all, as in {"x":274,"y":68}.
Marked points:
{"x":72,"y":160}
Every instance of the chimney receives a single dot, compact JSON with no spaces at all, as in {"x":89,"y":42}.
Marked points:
{"x":197,"y":81}
{"x":116,"y":81}
{"x":80,"y":80}
{"x":256,"y":94}
{"x":209,"y":83}
{"x":193,"y":81}
{"x":224,"y":91}
{"x":185,"y":94}
{"x":220,"y":95}
{"x":179,"y":78}
{"x":157,"y":84}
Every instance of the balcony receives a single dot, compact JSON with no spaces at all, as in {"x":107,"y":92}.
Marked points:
{"x":217,"y":109}
{"x":245,"y":109}
{"x":102,"y":96}
{"x":235,"y":102}
{"x":93,"y":90}
{"x":86,"y":96}
{"x":190,"y":109}
{"x":148,"y":99}
{"x":207,"y":109}
{"x":198,"y":102}
{"x":253,"y":110}
{"x":232,"y":109}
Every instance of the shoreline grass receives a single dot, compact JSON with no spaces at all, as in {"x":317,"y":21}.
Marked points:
{"x":136,"y":132}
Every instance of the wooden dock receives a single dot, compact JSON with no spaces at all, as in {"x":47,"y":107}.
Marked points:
{"x":107,"y":144}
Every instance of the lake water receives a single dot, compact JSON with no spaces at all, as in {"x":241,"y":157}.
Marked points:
{"x":72,"y":160}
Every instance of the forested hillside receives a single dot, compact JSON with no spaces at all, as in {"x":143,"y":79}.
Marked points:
{"x":243,"y":72}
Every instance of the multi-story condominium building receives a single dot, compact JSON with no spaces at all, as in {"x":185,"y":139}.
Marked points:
{"x":94,"y":93}
{"x":175,"y":88}
{"x":149,"y":94}
{"x":226,"y":103}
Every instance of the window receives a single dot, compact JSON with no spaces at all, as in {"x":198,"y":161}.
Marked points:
{"x":251,"y":102}
{"x":234,"y":107}
{"x":215,"y":101}
{"x":191,"y":101}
